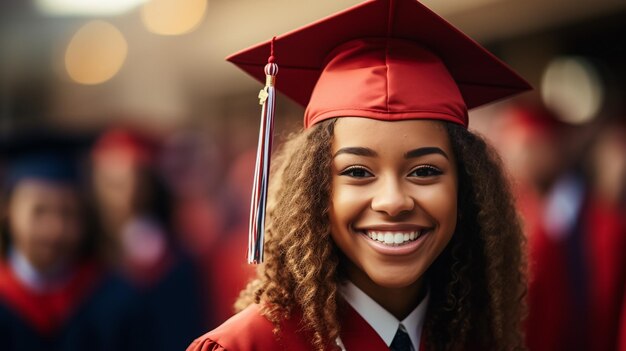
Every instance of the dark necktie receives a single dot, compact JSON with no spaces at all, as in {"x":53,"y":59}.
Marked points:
{"x":401,"y":341}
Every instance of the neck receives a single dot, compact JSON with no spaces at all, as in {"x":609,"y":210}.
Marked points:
{"x":399,"y":301}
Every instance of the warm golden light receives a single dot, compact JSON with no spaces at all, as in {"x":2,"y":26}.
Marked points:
{"x":571,"y":87}
{"x":86,"y":7}
{"x":173,"y":17}
{"x":96,"y":53}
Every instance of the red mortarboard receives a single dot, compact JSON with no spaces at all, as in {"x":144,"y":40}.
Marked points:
{"x":125,"y":146}
{"x":383,"y":59}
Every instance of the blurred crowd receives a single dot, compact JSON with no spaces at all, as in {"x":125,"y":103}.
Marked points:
{"x":126,"y":240}
{"x":570,"y":183}
{"x":120,"y":241}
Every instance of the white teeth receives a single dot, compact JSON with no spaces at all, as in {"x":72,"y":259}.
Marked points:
{"x":388,"y":238}
{"x":398,"y":238}
{"x":394,"y":238}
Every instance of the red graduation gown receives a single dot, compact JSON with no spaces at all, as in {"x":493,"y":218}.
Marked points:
{"x":250,"y":331}
{"x":622,"y":328}
{"x":552,"y":323}
{"x":46,"y":311}
{"x":605,"y":240}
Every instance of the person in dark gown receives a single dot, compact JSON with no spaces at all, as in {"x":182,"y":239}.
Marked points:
{"x":54,"y":292}
{"x":141,"y":244}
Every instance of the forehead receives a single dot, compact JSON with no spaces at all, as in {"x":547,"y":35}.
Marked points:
{"x":383,"y":135}
{"x":35,"y":190}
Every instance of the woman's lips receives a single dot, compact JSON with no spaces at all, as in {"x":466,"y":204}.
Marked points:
{"x":395,"y":241}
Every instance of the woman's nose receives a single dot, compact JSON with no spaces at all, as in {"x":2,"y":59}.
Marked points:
{"x":391,"y":199}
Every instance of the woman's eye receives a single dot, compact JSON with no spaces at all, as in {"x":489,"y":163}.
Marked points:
{"x":356,"y":172}
{"x":425,"y":171}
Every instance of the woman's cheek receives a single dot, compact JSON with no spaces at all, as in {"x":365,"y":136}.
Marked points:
{"x":439,"y":201}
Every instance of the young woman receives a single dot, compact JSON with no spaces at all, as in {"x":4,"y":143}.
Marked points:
{"x":389,"y":224}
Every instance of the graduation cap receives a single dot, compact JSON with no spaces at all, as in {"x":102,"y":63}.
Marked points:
{"x":382,"y":59}
{"x":43,"y":155}
{"x":122,"y":145}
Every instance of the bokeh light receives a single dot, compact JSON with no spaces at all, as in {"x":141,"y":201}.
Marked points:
{"x":572,"y":89}
{"x":86,"y":7}
{"x":173,"y":17}
{"x":95,"y":53}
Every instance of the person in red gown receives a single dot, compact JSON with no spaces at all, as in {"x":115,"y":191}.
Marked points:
{"x":576,"y":239}
{"x":603,"y":226}
{"x":530,"y":140}
{"x":389,"y":224}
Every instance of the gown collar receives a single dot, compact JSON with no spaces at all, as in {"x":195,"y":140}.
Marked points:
{"x":383,"y":322}
{"x":31,"y":277}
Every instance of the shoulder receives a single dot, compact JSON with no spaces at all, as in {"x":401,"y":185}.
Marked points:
{"x":248,"y":330}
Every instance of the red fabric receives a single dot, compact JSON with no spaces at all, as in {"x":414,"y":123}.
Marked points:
{"x":124,"y":146}
{"x":47,"y":311}
{"x":250,"y":331}
{"x":199,"y":223}
{"x":227,"y":266}
{"x":622,"y":328}
{"x":356,"y":334}
{"x":382,"y":75}
{"x":386,"y":80}
{"x":549,"y":299}
{"x":554,"y":322}
{"x":606,"y":241}
{"x":246,"y":331}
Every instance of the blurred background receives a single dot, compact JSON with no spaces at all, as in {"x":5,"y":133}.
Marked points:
{"x":127,"y":152}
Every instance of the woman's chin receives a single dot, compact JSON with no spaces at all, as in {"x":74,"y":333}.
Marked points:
{"x":393,"y":280}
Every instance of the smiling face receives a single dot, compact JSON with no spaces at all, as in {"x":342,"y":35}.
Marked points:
{"x":393,"y":199}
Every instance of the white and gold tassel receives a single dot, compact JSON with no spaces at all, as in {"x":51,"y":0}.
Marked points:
{"x":267,"y":99}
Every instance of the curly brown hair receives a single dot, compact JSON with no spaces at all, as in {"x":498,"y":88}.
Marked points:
{"x":477,"y":285}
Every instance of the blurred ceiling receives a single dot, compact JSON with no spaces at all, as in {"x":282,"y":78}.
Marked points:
{"x":162,"y":73}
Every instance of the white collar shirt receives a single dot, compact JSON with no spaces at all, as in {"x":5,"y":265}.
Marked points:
{"x":383,"y":322}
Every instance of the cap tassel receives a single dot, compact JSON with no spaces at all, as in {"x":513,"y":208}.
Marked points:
{"x":267,"y":98}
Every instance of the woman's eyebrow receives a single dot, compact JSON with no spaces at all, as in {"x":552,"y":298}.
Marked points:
{"x":359,"y":151}
{"x":425,"y":151}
